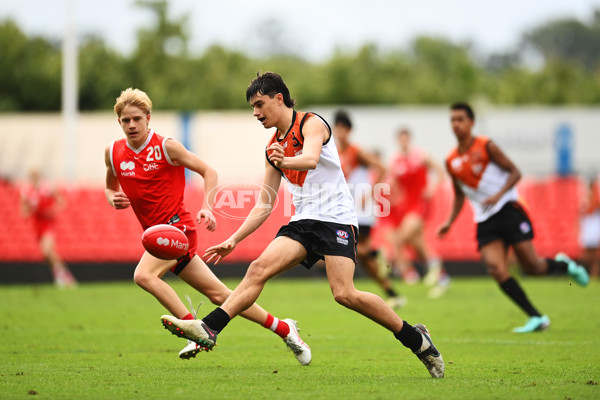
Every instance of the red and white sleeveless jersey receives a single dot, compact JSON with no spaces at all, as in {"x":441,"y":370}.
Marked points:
{"x":409,"y":171}
{"x":41,"y":200}
{"x":153,"y":184}
{"x":480,"y":178}
{"x":321,"y":193}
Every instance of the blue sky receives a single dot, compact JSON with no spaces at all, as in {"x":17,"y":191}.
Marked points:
{"x":313,"y":27}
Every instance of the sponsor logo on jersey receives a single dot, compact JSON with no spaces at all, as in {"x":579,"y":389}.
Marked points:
{"x":456,"y":163}
{"x":163,"y":241}
{"x":127,"y":165}
{"x":151,"y":167}
{"x":127,"y":168}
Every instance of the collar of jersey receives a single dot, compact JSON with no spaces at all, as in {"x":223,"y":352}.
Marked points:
{"x":139,"y":149}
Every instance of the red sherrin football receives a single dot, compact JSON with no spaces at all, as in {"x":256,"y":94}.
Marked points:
{"x":165,"y":242}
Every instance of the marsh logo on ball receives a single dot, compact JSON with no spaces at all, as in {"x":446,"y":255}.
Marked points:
{"x":163,"y":241}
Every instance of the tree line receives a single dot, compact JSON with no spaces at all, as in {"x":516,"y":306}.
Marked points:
{"x":556,"y":63}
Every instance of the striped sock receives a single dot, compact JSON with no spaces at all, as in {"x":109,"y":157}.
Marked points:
{"x":276,"y":325}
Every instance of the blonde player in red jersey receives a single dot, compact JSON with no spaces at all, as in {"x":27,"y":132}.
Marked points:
{"x":356,"y":164}
{"x":41,"y":202}
{"x":146,"y":171}
{"x":411,"y":193}
{"x":323,"y":226}
{"x":483,"y":173}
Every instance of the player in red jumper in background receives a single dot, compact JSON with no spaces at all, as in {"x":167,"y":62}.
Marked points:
{"x":356,"y":165}
{"x":410,"y":201}
{"x":147,"y":172}
{"x":42,"y":203}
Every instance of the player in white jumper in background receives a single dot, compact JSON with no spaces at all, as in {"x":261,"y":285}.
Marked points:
{"x":324,"y":226}
{"x":484,"y":174}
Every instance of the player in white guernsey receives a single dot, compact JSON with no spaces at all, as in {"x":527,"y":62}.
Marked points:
{"x":303,"y":152}
{"x":487,"y":177}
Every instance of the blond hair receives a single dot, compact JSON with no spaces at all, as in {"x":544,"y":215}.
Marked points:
{"x":134,"y":97}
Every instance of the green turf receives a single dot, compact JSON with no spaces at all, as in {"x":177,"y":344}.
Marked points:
{"x":105,"y":341}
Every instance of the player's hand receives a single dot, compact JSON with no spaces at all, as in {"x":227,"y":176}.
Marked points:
{"x":210,"y":221}
{"x":120,"y":201}
{"x":490,"y":201}
{"x":276,"y":154}
{"x":219,"y":251}
{"x":443,"y":230}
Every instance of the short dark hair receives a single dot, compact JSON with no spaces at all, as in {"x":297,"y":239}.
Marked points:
{"x":465,"y":107}
{"x":342,"y":118}
{"x":270,"y":84}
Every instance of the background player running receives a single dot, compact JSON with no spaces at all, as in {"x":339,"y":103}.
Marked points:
{"x":484,"y":174}
{"x":42,"y":203}
{"x":323,"y":226}
{"x":357,"y":165}
{"x":146,"y":171}
{"x":411,"y":194}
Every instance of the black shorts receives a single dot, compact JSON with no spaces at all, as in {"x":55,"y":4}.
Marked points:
{"x":364,"y":231}
{"x":511,"y":225}
{"x":321,"y":238}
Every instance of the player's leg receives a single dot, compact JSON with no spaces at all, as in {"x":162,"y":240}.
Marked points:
{"x":402,"y":264}
{"x":280,"y":255}
{"x":495,"y":256}
{"x":368,"y":259}
{"x":61,"y":274}
{"x":198,"y":275}
{"x":435,"y":276}
{"x":340,"y":273}
{"x":148,"y":274}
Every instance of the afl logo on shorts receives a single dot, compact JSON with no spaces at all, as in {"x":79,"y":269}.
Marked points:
{"x":342,"y":234}
{"x":525,"y":227}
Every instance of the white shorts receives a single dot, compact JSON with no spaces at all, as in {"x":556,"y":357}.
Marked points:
{"x":589,"y":235}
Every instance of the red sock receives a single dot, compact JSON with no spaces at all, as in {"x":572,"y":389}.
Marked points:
{"x":189,"y":316}
{"x":276,"y":325}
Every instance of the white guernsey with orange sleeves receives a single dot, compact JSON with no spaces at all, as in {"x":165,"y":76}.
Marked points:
{"x":479,"y":177}
{"x":322,"y":193}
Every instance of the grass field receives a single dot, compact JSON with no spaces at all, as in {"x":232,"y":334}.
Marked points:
{"x":105,"y":341}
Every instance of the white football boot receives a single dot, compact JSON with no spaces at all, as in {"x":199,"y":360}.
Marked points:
{"x":190,"y":350}
{"x":296,"y":344}
{"x":429,"y":355}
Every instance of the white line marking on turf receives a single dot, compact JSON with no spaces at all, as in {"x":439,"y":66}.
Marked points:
{"x":506,"y":341}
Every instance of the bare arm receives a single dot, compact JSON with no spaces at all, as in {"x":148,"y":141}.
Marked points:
{"x":258,"y":215}
{"x":457,"y":205}
{"x":440,"y":175}
{"x":372,"y":162}
{"x":497,"y":156}
{"x":114,"y":196}
{"x":315,"y":134}
{"x":179,"y":155}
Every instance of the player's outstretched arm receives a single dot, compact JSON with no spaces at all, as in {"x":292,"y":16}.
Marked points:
{"x":372,"y":162}
{"x":179,"y":155}
{"x":440,"y":175}
{"x":457,"y":204}
{"x":258,"y":215}
{"x":114,"y":196}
